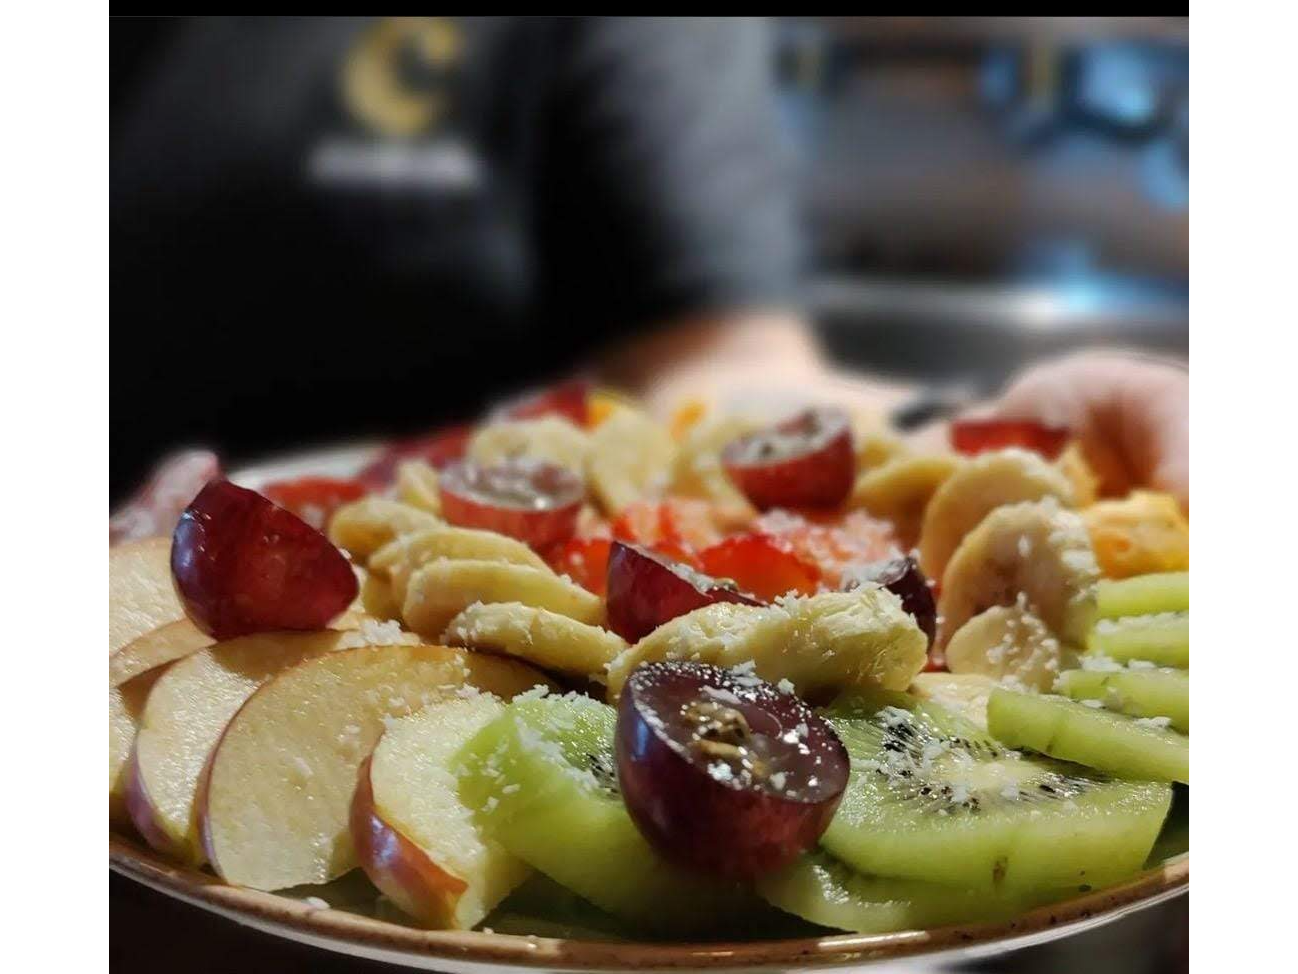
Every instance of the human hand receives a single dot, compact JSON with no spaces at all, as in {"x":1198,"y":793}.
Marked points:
{"x":1130,"y":414}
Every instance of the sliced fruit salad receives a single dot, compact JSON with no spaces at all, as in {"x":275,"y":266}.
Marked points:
{"x":572,"y":670}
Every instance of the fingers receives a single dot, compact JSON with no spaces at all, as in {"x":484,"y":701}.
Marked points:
{"x":1155,"y":405}
{"x":1130,"y":413}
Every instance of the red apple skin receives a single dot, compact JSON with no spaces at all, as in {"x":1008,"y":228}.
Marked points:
{"x":140,"y":809}
{"x":397,"y":866}
{"x":820,"y":478}
{"x":643,"y":591}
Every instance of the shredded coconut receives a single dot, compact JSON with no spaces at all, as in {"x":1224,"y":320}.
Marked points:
{"x":1159,"y":722}
{"x":377,"y":633}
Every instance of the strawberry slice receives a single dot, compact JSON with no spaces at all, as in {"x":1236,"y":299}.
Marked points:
{"x":584,"y":560}
{"x":833,"y":546}
{"x":974,"y":436}
{"x":762,"y":564}
{"x":805,"y":461}
{"x":314,"y":499}
{"x":679,"y":528}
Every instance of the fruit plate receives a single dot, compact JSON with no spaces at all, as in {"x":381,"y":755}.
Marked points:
{"x":354,"y":929}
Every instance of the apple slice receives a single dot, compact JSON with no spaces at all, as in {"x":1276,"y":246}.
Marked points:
{"x":183,"y":720}
{"x":140,"y":594}
{"x":278,"y":792}
{"x":414,"y":838}
{"x":173,"y":641}
{"x":126,"y":703}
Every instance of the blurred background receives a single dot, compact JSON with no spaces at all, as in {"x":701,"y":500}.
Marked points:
{"x":981,"y":191}
{"x":333,"y":228}
{"x":306,"y":250}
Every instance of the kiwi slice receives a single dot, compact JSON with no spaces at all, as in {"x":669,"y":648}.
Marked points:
{"x":1174,"y":840}
{"x":1143,"y":595}
{"x":1163,"y":639}
{"x":933,"y":798}
{"x":825,"y":891}
{"x":542,"y":780}
{"x":1141,"y":692}
{"x":1132,"y":747}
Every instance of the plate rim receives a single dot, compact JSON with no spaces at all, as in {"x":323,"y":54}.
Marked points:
{"x":338,"y":929}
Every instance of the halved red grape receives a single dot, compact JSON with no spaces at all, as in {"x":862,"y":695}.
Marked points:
{"x":903,"y":578}
{"x":314,"y":499}
{"x":762,"y":564}
{"x":243,"y":565}
{"x":531,"y":500}
{"x":974,"y":436}
{"x":436,"y":449}
{"x":567,"y":399}
{"x":645,"y":589}
{"x":805,"y":461}
{"x":155,"y":509}
{"x":721,"y":771}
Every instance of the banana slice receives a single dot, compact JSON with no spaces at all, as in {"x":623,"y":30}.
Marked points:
{"x":900,"y":489}
{"x":1009,"y":644}
{"x":698,"y":471}
{"x":549,"y":438}
{"x":540,"y":636}
{"x":980,"y":486}
{"x":1072,"y":463}
{"x":417,"y":486}
{"x":439,"y":591}
{"x":964,"y":693}
{"x":1036,"y":550}
{"x":364,"y":526}
{"x":874,"y":440}
{"x":403,"y":556}
{"x":630,"y":457}
{"x":821,"y":644}
{"x":378,"y":599}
